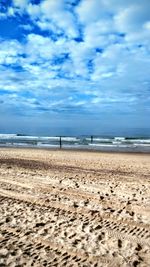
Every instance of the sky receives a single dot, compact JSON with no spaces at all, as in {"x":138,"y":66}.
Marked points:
{"x":75,"y":67}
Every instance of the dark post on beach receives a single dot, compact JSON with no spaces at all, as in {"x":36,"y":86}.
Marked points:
{"x":91,"y":139}
{"x":60,"y":143}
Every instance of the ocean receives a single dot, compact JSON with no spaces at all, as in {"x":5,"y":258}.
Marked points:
{"x":120,"y":144}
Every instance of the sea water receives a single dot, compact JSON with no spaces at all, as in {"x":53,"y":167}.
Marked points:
{"x":125,"y":144}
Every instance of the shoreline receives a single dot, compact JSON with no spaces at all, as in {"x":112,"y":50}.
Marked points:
{"x":85,"y":150}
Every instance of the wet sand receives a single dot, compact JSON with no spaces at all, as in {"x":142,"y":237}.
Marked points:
{"x":73,"y":208}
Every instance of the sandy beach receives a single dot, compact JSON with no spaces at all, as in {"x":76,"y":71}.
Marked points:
{"x":73,"y":208}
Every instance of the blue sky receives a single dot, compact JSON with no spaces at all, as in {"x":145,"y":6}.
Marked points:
{"x":75,"y":67}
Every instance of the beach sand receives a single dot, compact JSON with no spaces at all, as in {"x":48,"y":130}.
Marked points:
{"x":73,"y":208}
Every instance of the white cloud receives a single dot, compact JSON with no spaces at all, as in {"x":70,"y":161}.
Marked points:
{"x":39,"y":48}
{"x":147,"y":25}
{"x":9,"y":51}
{"x":119,"y":66}
{"x":102,"y":18}
{"x":26,"y":27}
{"x":46,"y":14}
{"x":20,"y":3}
{"x":56,"y":12}
{"x":115,"y":6}
{"x":2,"y":15}
{"x":80,"y":55}
{"x":11,"y":12}
{"x":34,"y":11}
{"x":90,"y":11}
{"x":132,"y":20}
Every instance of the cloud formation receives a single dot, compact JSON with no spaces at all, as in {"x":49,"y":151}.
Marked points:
{"x":76,"y":57}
